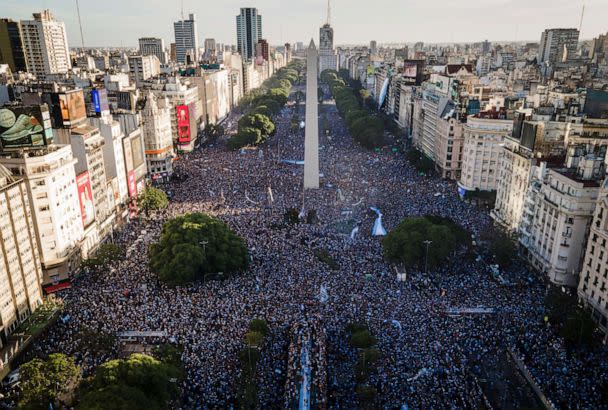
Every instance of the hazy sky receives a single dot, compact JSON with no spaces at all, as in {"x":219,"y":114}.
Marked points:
{"x":116,"y":22}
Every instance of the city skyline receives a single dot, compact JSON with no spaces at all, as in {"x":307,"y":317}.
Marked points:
{"x":493,"y":20}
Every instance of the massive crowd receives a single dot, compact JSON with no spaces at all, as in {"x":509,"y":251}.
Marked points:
{"x":428,"y":359}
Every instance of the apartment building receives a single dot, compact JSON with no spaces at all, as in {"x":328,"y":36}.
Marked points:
{"x":50,"y":180}
{"x":484,"y":134}
{"x":20,"y":268}
{"x":592,"y":288}
{"x":158,"y":141}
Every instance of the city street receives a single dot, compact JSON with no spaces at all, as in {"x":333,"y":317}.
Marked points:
{"x":429,"y":361}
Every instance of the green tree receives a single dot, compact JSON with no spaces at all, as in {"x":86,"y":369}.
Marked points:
{"x":254,"y":339}
{"x":245,"y":137}
{"x":362,"y":339}
{"x":579,"y":328}
{"x":193,"y":245}
{"x":152,"y":199}
{"x":105,"y":254}
{"x":130,"y":381}
{"x":406,"y":243}
{"x":259,"y":325}
{"x":502,"y":248}
{"x":291,"y":216}
{"x":44,"y":381}
{"x":259,"y":121}
{"x":213,"y":131}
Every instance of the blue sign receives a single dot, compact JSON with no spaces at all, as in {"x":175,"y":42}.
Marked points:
{"x":96,"y":102}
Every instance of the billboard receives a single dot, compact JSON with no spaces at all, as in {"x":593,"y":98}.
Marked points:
{"x":72,"y":107}
{"x":596,"y":104}
{"x":183,"y":124}
{"x":22,"y":126}
{"x":137,"y":152}
{"x":85,"y":198}
{"x":410,"y":70}
{"x":132,"y":184}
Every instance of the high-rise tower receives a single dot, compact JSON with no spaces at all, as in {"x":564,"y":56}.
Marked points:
{"x":248,"y":32}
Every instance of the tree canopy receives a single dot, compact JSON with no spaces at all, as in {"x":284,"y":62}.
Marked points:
{"x":193,"y":245}
{"x":138,"y":382}
{"x":366,"y":128}
{"x":406,"y":243}
{"x":264,"y":103}
{"x":44,"y":381}
{"x":152,"y":199}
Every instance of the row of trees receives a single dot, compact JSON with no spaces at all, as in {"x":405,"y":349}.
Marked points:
{"x":194,"y":246}
{"x":257,"y":125}
{"x":249,"y":357}
{"x":137,"y":382}
{"x":367,"y":128}
{"x":367,"y":355}
{"x":424,"y":241}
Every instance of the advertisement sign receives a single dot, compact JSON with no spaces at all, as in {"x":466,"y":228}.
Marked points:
{"x":137,"y":151}
{"x":410,"y":70}
{"x":104,"y":103}
{"x":72,"y":107}
{"x":183,"y":124}
{"x":132,"y":183}
{"x":95,"y":100}
{"x":25,"y":126}
{"x":85,"y":198}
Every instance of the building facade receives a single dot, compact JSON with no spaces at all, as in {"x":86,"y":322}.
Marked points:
{"x":151,"y":46}
{"x":11,"y":46}
{"x":248,"y":32}
{"x":186,"y":40}
{"x":46,"y":45}
{"x":158,"y":141}
{"x":20,"y":268}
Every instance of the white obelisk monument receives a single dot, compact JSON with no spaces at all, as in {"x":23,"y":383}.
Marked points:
{"x":311,"y":138}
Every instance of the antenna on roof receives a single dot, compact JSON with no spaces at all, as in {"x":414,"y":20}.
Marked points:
{"x":182,"y":10}
{"x":580,"y":25}
{"x":328,"y":12}
{"x":80,"y":24}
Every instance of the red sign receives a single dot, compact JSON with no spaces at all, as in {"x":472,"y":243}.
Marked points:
{"x":85,"y":197}
{"x":132,"y":182}
{"x":183,"y":124}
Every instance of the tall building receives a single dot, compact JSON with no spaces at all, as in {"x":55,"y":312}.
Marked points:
{"x":54,"y":200}
{"x":186,"y":39}
{"x":158,"y":139}
{"x":210,"y":46}
{"x":557,"y":45}
{"x":11,"y":46}
{"x":248,"y":31}
{"x":153,"y":46}
{"x":373,"y":47}
{"x":20,"y":269}
{"x":328,"y":59}
{"x":262,"y":49}
{"x":592,"y":288}
{"x":46,"y":45}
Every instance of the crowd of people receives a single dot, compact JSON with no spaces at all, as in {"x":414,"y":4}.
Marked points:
{"x":428,"y":359}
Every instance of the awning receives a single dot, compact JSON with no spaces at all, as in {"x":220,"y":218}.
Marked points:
{"x":56,"y":288}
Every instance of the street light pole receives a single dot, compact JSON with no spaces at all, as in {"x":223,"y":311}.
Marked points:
{"x":426,"y":256}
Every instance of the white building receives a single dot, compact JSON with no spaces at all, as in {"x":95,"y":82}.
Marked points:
{"x":151,"y":46}
{"x":20,"y":269}
{"x":592,"y":289}
{"x":158,"y":141}
{"x":46,"y":45}
{"x":51,"y":186}
{"x":248,"y":32}
{"x":186,"y":39}
{"x":560,"y":224}
{"x":484,"y":135}
{"x":142,"y":68}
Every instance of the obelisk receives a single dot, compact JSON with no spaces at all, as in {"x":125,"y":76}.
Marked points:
{"x":311,"y":136}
